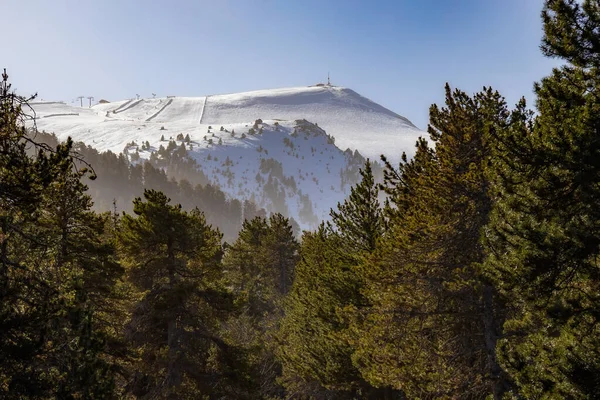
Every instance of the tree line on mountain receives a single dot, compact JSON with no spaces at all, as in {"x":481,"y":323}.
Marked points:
{"x":476,"y":277}
{"x":118,"y":181}
{"x":172,"y":170}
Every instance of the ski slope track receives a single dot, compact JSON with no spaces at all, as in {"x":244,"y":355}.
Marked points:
{"x":126,"y":106}
{"x":167,"y":104}
{"x":202,"y":111}
{"x":59,"y":115}
{"x":231,"y":157}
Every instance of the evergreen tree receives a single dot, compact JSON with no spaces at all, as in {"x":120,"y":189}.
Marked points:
{"x":359,"y":221}
{"x":543,"y":238}
{"x":81,"y":262}
{"x":316,"y":360}
{"x":173,"y":259}
{"x":330,"y":281}
{"x":260,"y":264}
{"x":260,"y":267}
{"x":431,"y":320}
{"x":50,"y":343}
{"x":245,"y":267}
{"x":281,"y":253}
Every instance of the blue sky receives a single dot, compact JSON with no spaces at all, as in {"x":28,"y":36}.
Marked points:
{"x":398,"y":53}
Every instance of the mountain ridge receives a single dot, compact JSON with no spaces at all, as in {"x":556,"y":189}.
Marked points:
{"x":290,"y":150}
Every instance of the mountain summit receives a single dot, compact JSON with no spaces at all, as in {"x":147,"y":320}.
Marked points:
{"x":355,"y":121}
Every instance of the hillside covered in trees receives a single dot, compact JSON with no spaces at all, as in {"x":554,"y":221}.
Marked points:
{"x":117,"y":182}
{"x":474,"y":277}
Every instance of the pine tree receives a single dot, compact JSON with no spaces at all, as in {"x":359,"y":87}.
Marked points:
{"x":359,"y":221}
{"x":281,"y":252}
{"x":260,"y":268}
{"x":244,"y":265}
{"x":173,"y":259}
{"x":430,"y":324}
{"x":543,"y":237}
{"x":50,"y":343}
{"x":260,"y":264}
{"x":316,"y":360}
{"x":329,"y":282}
{"x":81,"y":261}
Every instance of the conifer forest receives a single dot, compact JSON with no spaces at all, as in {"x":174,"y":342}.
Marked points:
{"x":467,"y":271}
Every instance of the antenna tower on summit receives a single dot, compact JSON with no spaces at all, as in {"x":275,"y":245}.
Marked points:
{"x":328,"y":80}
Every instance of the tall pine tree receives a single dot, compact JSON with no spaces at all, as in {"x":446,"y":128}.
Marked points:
{"x":544,"y":236}
{"x":173,"y":259}
{"x":315,"y":351}
{"x":359,"y":220}
{"x":431,"y":320}
{"x":51,"y":344}
{"x":260,"y":268}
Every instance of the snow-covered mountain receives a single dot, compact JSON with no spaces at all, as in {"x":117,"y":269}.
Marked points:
{"x":283,"y":148}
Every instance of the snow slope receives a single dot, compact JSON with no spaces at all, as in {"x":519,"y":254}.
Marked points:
{"x":355,"y":121}
{"x":306,"y":152}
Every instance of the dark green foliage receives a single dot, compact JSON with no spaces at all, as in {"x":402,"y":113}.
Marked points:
{"x":173,"y":259}
{"x":544,"y":237}
{"x":51,"y":292}
{"x":316,"y":359}
{"x":430,"y":324}
{"x":359,"y":221}
{"x":261,"y":262}
{"x":260,"y":269}
{"x":476,"y":278}
{"x":316,"y":349}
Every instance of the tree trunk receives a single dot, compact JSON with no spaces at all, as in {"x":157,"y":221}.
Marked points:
{"x":282,"y":273}
{"x":500,"y":383}
{"x":174,"y":375}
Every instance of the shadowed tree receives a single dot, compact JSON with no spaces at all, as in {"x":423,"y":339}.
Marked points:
{"x":173,"y":259}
